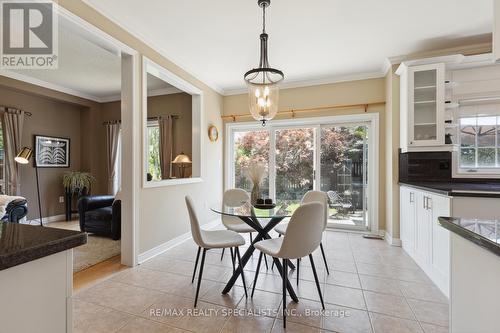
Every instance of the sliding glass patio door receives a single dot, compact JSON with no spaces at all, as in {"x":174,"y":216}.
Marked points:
{"x":331,"y":157}
{"x":343,"y":174}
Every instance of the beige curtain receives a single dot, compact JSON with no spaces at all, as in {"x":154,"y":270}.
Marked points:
{"x":12,"y":124}
{"x":166,"y":144}
{"x":113,"y":152}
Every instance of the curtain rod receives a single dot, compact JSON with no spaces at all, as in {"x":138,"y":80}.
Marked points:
{"x":29,"y":114}
{"x":364,"y":106}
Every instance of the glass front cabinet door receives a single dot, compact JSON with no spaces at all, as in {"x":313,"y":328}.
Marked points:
{"x":422,"y":106}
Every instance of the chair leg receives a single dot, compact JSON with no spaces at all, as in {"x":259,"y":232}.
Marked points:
{"x":232,"y":258}
{"x":285,"y":276}
{"x":324,"y":258}
{"x":196,"y":263}
{"x":200,"y":276}
{"x":251,"y":241}
{"x":237,"y":250}
{"x":272,"y":264}
{"x":222,"y":255}
{"x":298,"y":269}
{"x":257,"y":272}
{"x":317,"y":281}
{"x":265,"y":260}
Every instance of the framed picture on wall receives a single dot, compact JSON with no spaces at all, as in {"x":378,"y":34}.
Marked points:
{"x":51,"y":152}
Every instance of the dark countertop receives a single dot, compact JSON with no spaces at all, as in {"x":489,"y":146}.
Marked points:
{"x":456,"y":189}
{"x":21,"y":243}
{"x":485,"y":233}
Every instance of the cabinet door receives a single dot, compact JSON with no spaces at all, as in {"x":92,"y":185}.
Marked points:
{"x":426,"y":105}
{"x":440,"y":252}
{"x":423,"y":230}
{"x":408,"y":219}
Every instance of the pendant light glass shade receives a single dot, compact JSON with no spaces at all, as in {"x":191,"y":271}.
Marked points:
{"x":262,"y":82}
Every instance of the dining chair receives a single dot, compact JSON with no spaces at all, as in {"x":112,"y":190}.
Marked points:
{"x":234,"y":198}
{"x":211,"y":239}
{"x":310,"y":196}
{"x":302,"y":238}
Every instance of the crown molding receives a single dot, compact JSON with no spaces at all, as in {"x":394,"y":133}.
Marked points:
{"x":316,"y":82}
{"x":470,"y":49}
{"x":152,"y":93}
{"x":48,"y":85}
{"x":144,"y":39}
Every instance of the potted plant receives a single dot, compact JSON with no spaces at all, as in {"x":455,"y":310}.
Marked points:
{"x":76,"y":183}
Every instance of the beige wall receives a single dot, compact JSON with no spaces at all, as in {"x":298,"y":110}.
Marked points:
{"x":173,"y":104}
{"x":52,"y":118}
{"x":162,"y":212}
{"x":343,"y":93}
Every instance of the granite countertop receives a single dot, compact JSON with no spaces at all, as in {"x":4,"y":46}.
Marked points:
{"x":457,"y":189}
{"x":21,"y":243}
{"x":485,"y":233}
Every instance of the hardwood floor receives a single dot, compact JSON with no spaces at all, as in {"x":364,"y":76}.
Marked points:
{"x":97,"y":273}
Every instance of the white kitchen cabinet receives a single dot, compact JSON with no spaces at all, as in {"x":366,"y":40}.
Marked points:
{"x":422,"y":98}
{"x":421,"y":235}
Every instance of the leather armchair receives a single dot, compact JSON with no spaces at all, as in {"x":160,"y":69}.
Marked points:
{"x":15,"y":210}
{"x":100,"y":215}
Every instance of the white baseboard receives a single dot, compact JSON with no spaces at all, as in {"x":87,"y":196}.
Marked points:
{"x":391,"y":240}
{"x":157,"y":250}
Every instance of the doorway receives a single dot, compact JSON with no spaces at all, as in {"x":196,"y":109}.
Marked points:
{"x":330,"y":154}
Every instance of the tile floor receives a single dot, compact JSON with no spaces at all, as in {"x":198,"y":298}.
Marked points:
{"x":372,"y":287}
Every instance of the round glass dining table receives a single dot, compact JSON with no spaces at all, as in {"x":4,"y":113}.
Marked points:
{"x":262,"y":221}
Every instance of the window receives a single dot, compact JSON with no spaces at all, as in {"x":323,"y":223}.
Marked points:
{"x":153,"y":150}
{"x":479,"y":142}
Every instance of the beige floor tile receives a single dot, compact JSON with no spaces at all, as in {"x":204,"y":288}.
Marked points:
{"x":429,"y":328}
{"x":248,"y":324}
{"x":292,"y":327}
{"x":343,"y":279}
{"x":178,"y":312}
{"x":308,"y":289}
{"x":386,"y":324}
{"x":343,"y":266}
{"x":388,"y":304}
{"x":164,"y":281}
{"x":381,"y":285}
{"x":120,"y":296}
{"x":342,"y":319}
{"x":424,"y":292}
{"x":430,"y":312}
{"x":263,"y":303}
{"x":92,"y":318}
{"x":305,"y":312}
{"x":344,"y":296}
{"x":149,"y":326}
{"x":231,"y":299}
{"x":306,"y":273}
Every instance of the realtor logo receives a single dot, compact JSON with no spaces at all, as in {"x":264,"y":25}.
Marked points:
{"x":29,"y":35}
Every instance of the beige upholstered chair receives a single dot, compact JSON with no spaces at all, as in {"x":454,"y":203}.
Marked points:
{"x":216,"y":239}
{"x":302,"y":237}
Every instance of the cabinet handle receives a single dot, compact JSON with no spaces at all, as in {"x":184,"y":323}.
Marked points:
{"x":429,"y":200}
{"x":412,"y":197}
{"x":425,"y":202}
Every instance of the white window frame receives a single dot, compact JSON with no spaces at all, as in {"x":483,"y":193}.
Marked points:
{"x":152,"y":68}
{"x":473,"y":172}
{"x":313,"y":122}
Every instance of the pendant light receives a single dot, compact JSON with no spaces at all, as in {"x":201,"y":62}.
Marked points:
{"x":262,"y":82}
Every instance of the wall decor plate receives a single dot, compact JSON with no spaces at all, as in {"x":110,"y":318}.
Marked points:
{"x":51,"y":152}
{"x":213,"y":133}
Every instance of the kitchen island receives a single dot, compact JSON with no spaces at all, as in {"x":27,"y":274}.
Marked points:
{"x":36,"y":278}
{"x":474,"y":274}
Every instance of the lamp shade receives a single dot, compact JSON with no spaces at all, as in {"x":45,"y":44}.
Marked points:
{"x":24,"y":155}
{"x":182,"y":159}
{"x":263,"y":100}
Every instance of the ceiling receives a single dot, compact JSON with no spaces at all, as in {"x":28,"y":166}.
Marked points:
{"x":311,"y":41}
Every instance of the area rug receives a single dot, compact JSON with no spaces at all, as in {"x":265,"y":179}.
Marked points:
{"x":96,"y":250}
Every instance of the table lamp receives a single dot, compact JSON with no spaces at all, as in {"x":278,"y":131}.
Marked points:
{"x":183,"y":161}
